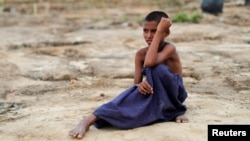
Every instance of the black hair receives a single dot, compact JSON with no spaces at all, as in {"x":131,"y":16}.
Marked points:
{"x":155,"y":16}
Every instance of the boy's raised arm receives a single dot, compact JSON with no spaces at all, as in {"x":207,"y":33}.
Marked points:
{"x":161,"y":32}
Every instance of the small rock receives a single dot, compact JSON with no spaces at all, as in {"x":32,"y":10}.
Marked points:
{"x":102,"y":94}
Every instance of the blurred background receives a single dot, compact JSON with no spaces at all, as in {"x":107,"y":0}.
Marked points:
{"x":61,"y":58}
{"x":179,"y":10}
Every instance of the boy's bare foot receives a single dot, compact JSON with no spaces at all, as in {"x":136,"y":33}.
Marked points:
{"x":181,"y":119}
{"x":80,"y":130}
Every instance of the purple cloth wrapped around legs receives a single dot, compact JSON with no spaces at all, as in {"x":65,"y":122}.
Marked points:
{"x":131,"y":109}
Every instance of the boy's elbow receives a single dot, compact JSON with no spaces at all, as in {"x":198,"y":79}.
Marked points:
{"x":149,"y":64}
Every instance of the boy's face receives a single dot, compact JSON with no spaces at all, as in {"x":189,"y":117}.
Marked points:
{"x":149,"y":29}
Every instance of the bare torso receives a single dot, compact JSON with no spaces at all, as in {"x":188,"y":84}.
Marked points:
{"x":173,"y":61}
{"x":174,"y":64}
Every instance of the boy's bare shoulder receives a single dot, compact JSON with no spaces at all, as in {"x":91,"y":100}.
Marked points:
{"x":142,"y":51}
{"x":170,"y":46}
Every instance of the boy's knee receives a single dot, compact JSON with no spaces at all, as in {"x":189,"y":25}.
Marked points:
{"x":160,"y":68}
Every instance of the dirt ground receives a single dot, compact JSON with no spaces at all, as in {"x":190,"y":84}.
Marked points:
{"x":59,"y":64}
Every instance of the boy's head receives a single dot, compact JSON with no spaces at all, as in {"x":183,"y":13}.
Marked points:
{"x":150,"y":25}
{"x":155,"y":16}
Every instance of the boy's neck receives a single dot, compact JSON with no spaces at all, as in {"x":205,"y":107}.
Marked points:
{"x":161,"y":46}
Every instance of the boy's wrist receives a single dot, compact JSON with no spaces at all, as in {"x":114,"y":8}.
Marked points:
{"x":160,"y":34}
{"x":136,"y":85}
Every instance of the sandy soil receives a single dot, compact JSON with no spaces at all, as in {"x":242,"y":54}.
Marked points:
{"x":58,"y":66}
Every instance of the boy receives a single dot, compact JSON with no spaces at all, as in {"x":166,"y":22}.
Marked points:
{"x":158,"y":97}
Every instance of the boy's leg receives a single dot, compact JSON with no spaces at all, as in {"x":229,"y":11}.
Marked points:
{"x":170,"y":81}
{"x":83,"y":126}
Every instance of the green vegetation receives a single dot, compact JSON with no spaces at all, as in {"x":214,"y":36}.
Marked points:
{"x":1,"y":3}
{"x":185,"y":18}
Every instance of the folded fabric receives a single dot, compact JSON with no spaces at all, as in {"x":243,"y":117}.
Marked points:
{"x":131,"y":109}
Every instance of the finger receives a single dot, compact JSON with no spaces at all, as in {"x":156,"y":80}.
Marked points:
{"x":148,"y":87}
{"x":168,"y":21}
{"x":145,"y":91}
{"x":142,"y":90}
{"x":145,"y":88}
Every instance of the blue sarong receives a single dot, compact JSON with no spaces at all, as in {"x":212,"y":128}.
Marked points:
{"x":131,"y":109}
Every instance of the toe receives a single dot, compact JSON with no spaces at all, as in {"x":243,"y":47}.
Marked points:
{"x":79,"y":136}
{"x":178,"y":120}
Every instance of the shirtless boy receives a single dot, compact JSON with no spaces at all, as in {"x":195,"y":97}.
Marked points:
{"x":158,"y":92}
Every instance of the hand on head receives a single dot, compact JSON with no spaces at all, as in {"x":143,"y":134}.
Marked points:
{"x":164,"y":24}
